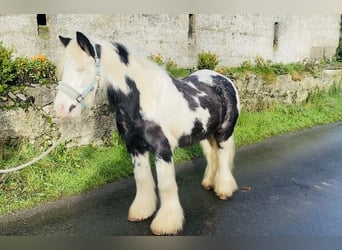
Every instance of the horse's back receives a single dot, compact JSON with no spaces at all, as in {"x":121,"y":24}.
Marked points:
{"x":220,"y":84}
{"x":209,"y":77}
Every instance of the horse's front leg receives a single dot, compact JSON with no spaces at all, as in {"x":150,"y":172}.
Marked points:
{"x":145,"y":200}
{"x":170,"y":217}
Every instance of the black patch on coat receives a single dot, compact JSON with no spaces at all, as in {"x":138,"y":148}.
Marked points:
{"x":140,"y":135}
{"x":221,"y":103}
{"x":122,"y":52}
{"x":198,"y":133}
{"x":193,"y":79}
{"x":188,"y":92}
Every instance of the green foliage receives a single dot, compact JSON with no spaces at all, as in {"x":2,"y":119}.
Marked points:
{"x":3,"y":88}
{"x":269,"y":70}
{"x":17,"y":73}
{"x":24,"y":71}
{"x":321,"y":107}
{"x":37,"y":70}
{"x":157,"y":58}
{"x":170,"y":66}
{"x":207,"y":60}
{"x":7,"y":71}
{"x":175,"y":71}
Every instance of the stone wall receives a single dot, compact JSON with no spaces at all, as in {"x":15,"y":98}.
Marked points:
{"x":38,"y":125}
{"x":255,"y":92}
{"x":180,"y":37}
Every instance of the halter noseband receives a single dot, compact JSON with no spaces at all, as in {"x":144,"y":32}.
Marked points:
{"x":74,"y":94}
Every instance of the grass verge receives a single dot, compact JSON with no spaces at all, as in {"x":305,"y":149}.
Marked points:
{"x":72,"y":171}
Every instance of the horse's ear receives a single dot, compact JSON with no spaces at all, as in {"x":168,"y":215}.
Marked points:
{"x":65,"y":40}
{"x":85,"y":44}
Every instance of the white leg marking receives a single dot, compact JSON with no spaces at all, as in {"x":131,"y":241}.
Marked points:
{"x":225,"y":183}
{"x":145,"y":200}
{"x":170,"y":217}
{"x":209,"y":148}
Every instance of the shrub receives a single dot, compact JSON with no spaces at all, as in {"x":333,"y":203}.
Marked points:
{"x":23,"y":70}
{"x":175,"y":71}
{"x":36,"y":70}
{"x":261,"y":63}
{"x":207,"y":60}
{"x":247,"y":65}
{"x":171,"y":65}
{"x":7,"y":71}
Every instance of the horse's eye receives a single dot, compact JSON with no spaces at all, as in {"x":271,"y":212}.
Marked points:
{"x":71,"y":107}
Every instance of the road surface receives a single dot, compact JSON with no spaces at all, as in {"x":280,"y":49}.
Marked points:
{"x":293,"y":187}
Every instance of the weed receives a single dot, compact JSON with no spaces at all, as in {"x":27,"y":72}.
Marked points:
{"x":207,"y":60}
{"x":170,"y":66}
{"x":175,"y":71}
{"x":297,"y":76}
{"x":157,"y":58}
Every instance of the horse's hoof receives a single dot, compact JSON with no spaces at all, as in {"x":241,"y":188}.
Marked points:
{"x":139,"y":218}
{"x":165,"y":231}
{"x":207,"y":187}
{"x":160,"y":233}
{"x":224,"y":197}
{"x":168,"y":221}
{"x":135,"y":219}
{"x":207,"y":184}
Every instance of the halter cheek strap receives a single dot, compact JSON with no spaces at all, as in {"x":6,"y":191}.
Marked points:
{"x":74,"y":94}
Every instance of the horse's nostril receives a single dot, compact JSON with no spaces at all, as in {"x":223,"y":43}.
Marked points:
{"x":72,"y":107}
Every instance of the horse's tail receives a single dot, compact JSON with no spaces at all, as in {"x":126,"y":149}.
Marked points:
{"x":229,"y":96}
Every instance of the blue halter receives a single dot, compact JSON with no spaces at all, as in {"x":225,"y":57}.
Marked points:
{"x":74,"y":94}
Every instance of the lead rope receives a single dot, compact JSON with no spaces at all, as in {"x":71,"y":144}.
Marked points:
{"x":20,"y":167}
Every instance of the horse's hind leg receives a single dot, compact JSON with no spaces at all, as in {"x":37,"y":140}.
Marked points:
{"x":209,"y":148}
{"x":145,"y":200}
{"x":224,"y":182}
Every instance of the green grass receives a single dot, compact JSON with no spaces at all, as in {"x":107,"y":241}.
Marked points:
{"x":320,"y":108}
{"x":71,"y":171}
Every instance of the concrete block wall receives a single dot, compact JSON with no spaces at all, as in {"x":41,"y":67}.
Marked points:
{"x":180,"y":37}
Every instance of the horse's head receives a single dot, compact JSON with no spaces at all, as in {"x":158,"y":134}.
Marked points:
{"x":79,"y":74}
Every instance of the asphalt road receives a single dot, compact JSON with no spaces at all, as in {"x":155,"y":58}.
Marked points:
{"x":295,"y":186}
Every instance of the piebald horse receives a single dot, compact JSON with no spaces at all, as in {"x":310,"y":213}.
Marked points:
{"x":155,"y":113}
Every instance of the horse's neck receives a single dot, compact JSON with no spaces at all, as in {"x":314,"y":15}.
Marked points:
{"x":147,"y":76}
{"x":150,"y":79}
